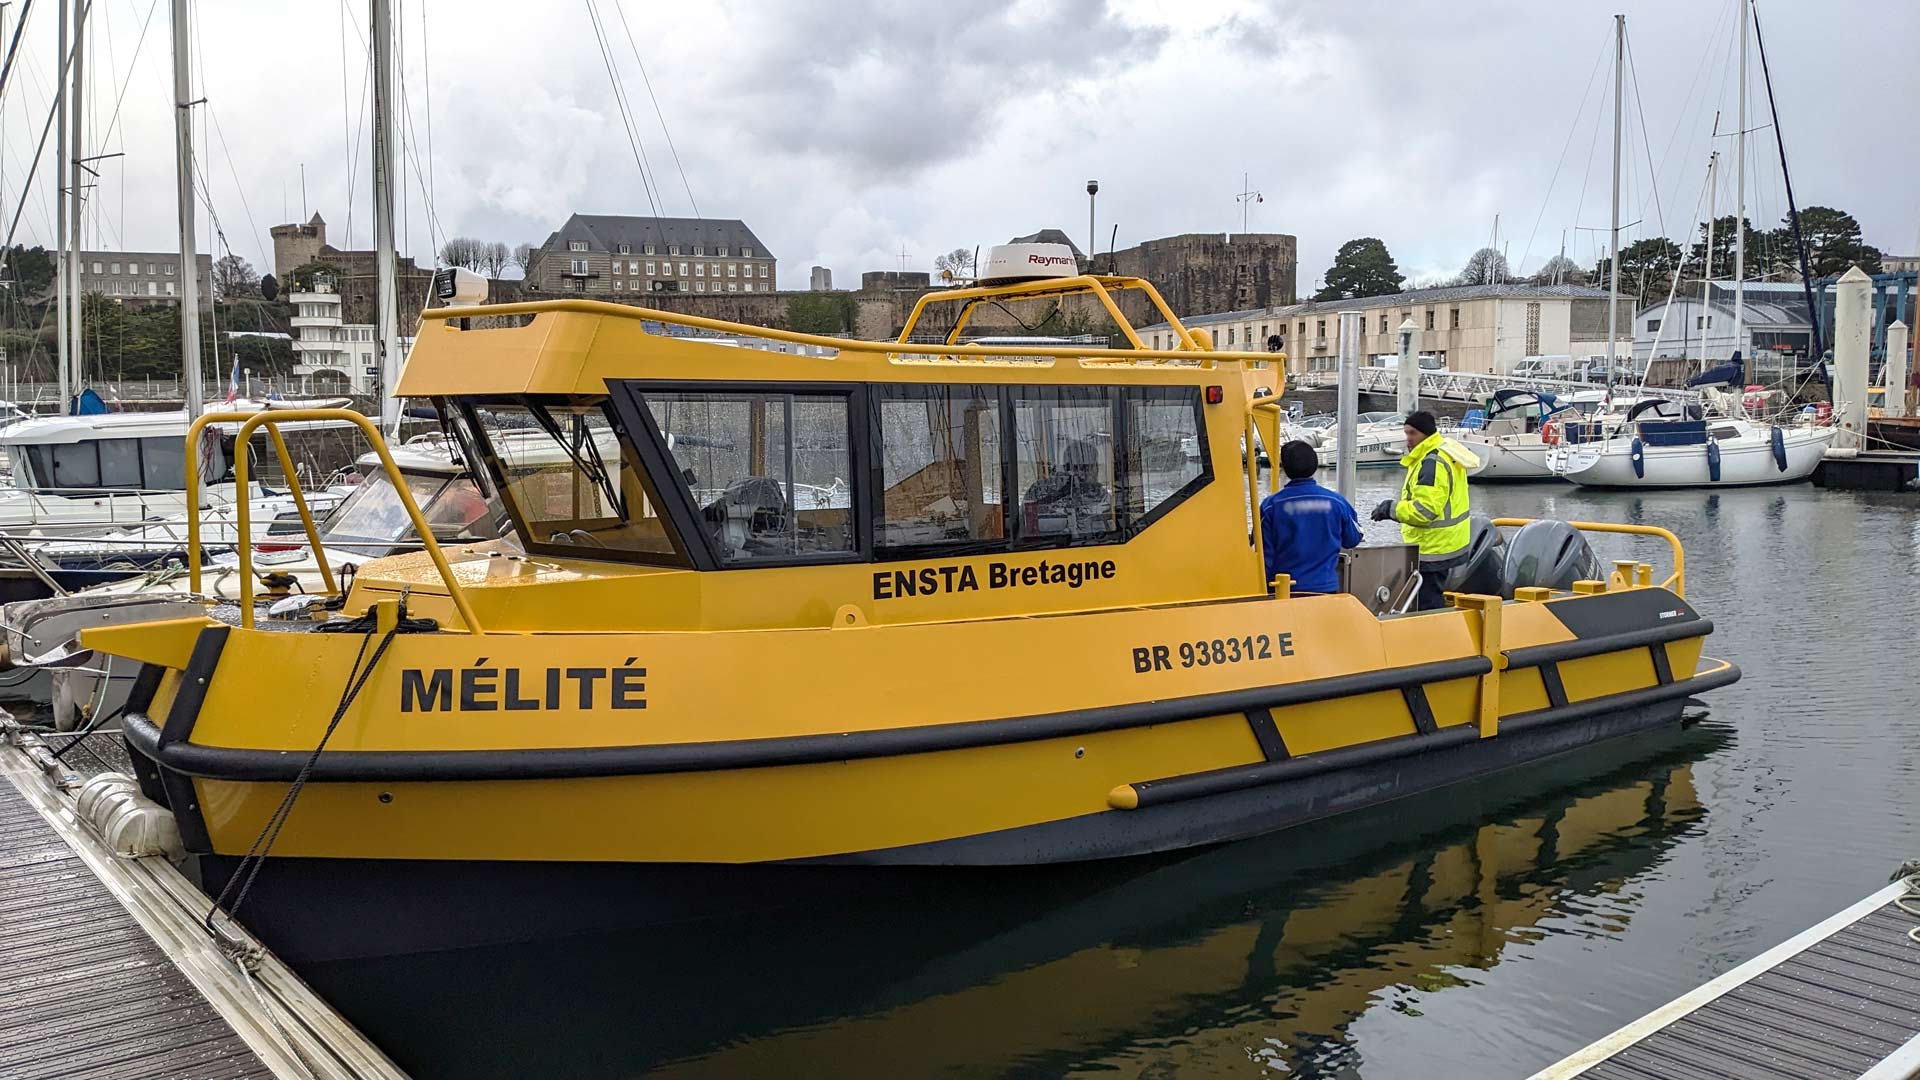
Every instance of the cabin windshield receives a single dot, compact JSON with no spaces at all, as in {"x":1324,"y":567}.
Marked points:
{"x":570,"y":480}
{"x":453,"y":506}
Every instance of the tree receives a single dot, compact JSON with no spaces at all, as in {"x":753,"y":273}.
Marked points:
{"x":233,"y":275}
{"x":32,"y":267}
{"x":820,"y":313}
{"x":523,"y":256}
{"x":1559,"y":270}
{"x":955,"y":265}
{"x":494,"y":258}
{"x":1485,"y":267}
{"x":1361,"y":268}
{"x":1833,"y":243}
{"x":1646,"y":268}
{"x":1723,"y":251}
{"x":463,"y":251}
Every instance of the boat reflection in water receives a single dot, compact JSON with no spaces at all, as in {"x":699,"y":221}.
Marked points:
{"x":1257,"y":951}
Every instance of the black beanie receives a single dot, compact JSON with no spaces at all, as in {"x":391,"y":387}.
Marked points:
{"x":1422,"y":422}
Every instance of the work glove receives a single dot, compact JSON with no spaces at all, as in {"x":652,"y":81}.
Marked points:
{"x":1384,"y":511}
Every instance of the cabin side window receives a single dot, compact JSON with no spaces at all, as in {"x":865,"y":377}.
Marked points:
{"x":1063,"y":467}
{"x":938,"y":454}
{"x":1166,"y":451}
{"x":571,"y":481}
{"x":767,"y":472}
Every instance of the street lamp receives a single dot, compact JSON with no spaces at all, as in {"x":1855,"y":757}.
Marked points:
{"x":1093,"y":188}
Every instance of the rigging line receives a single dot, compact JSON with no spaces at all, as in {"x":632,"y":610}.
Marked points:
{"x":346,"y":123}
{"x":6,"y":246}
{"x":620,"y":102}
{"x":435,"y":232}
{"x":1580,"y":205}
{"x":1646,"y":144}
{"x":620,"y":7}
{"x":1706,"y":59}
{"x":426,"y":76}
{"x":1572,"y":130}
{"x":113,"y":122}
{"x":253,"y":227}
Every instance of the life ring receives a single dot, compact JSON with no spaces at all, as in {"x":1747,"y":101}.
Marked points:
{"x":1550,"y":433}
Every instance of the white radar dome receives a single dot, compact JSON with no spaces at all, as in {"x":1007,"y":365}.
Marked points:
{"x":1008,"y":263}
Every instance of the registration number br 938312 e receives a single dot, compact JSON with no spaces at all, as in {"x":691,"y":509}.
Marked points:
{"x":1208,"y":652}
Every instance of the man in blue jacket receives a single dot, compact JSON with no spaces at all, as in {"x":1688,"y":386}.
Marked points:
{"x":1304,"y":526}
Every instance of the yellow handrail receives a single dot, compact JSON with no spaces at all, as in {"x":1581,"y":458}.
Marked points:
{"x":1677,"y":580}
{"x":243,"y":526}
{"x":858,"y":345}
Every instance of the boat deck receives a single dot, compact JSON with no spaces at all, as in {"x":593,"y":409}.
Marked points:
{"x":1841,"y":999}
{"x":106,"y":972}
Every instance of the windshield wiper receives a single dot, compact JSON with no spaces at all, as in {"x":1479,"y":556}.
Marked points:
{"x":591,"y":465}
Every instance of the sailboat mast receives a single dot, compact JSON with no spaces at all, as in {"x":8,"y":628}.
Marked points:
{"x":183,"y":188}
{"x":1613,"y":232}
{"x":385,"y":301}
{"x":1740,"y":202}
{"x":1706,"y":273}
{"x":76,"y":192}
{"x":61,"y":269}
{"x":1793,"y":208}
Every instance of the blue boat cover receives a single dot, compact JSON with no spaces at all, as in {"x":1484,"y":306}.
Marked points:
{"x":1674,"y":432}
{"x":87,"y":403}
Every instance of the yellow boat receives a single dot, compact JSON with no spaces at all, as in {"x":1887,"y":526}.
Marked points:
{"x":765,"y":619}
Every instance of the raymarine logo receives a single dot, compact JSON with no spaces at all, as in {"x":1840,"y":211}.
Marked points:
{"x":1674,"y":614}
{"x":1049,"y":260}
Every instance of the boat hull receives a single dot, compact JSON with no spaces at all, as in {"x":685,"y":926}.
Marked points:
{"x":321,"y":910}
{"x":1507,"y":460}
{"x":1748,"y":462}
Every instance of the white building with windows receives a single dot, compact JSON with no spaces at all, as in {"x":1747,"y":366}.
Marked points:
{"x":331,"y":352}
{"x":1484,"y":329}
{"x":142,"y":277}
{"x":1776,"y":324}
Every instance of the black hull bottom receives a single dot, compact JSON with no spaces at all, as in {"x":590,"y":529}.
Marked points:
{"x":317,"y":910}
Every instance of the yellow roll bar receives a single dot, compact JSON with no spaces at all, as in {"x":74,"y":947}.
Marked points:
{"x":1677,"y":581}
{"x":243,"y":537}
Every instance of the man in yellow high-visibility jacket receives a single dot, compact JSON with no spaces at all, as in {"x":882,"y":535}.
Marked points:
{"x":1432,"y":508}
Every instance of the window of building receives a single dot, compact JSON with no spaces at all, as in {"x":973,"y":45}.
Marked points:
{"x":153,"y":288}
{"x":733,"y":286}
{"x":723,"y":251}
{"x":626,"y":249}
{"x":580,"y":267}
{"x":699,"y":269}
{"x":650,"y":267}
{"x":716,"y":269}
{"x":746,"y":253}
{"x":1653,"y":325}
{"x":1703,"y":322}
{"x":577,"y":284}
{"x":939,"y":450}
{"x":746,"y":286}
{"x":113,"y":268}
{"x":1063,"y":464}
{"x":169,"y":267}
{"x":576,"y":245}
{"x":648,"y":249}
{"x":699,"y":286}
{"x":763,"y":269}
{"x":1430,"y":318}
{"x":1383,"y":324}
{"x":1453,"y":318}
{"x":1320,"y":328}
{"x":169,"y":288}
{"x":683,"y":269}
{"x":97,"y":270}
{"x":1229,"y":335}
{"x":619,"y":285}
{"x":1303,"y":328}
{"x":674,"y":250}
{"x":764,"y":471}
{"x":1533,"y":329}
{"x":733,"y":269}
{"x":153,"y":268}
{"x":699,"y":249}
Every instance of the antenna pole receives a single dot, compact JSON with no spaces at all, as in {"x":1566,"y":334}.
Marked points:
{"x":1706,"y":277}
{"x":63,"y":270}
{"x":183,"y":188}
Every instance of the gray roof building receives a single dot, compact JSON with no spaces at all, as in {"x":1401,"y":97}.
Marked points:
{"x":621,"y":254}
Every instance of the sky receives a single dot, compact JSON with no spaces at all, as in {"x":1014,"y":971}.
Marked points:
{"x":848,"y":133}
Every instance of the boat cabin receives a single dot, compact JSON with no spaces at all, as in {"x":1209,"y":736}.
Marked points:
{"x":699,"y":485}
{"x":106,"y":452}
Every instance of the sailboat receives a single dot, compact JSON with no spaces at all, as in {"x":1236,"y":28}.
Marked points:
{"x":1670,"y":444}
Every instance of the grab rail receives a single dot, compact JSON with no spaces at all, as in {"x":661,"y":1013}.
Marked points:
{"x":1677,"y":581}
{"x":243,"y":539}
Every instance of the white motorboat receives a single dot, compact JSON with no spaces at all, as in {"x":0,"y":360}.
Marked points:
{"x":1693,"y":451}
{"x":1510,"y":443}
{"x":1380,"y":440}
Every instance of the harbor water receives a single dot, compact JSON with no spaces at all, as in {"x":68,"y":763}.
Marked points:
{"x":1481,"y":931}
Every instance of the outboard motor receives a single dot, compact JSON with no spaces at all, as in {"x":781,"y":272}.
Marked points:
{"x":1548,"y":554}
{"x":1483,"y":568}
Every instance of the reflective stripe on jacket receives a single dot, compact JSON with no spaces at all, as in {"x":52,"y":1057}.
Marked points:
{"x":1432,"y":509}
